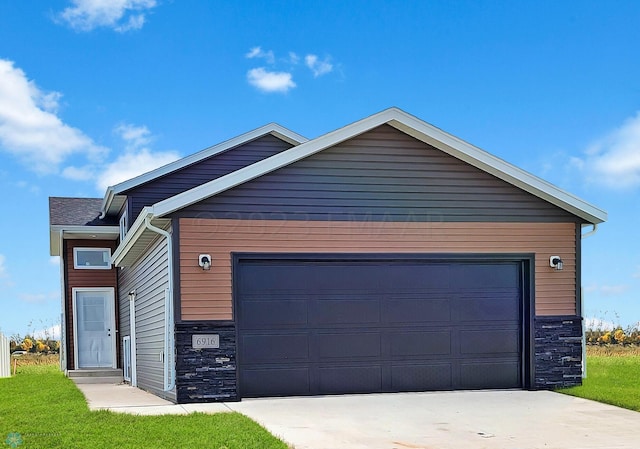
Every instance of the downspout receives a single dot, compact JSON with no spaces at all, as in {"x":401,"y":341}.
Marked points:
{"x":132,"y":332}
{"x":169,"y":375}
{"x":584,"y":326}
{"x":590,"y":233}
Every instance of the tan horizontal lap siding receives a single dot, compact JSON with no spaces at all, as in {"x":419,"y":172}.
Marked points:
{"x":208,"y":295}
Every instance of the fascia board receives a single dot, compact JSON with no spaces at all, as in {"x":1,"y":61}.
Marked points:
{"x":54,"y":234}
{"x":272,"y":128}
{"x":413,"y":127}
{"x":135,"y":231}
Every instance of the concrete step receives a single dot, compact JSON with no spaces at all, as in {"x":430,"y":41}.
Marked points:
{"x":96,"y":376}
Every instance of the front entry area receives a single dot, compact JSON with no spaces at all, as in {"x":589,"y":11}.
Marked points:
{"x":322,"y":325}
{"x":94,"y":328}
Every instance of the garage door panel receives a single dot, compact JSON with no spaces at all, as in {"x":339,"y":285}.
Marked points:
{"x":267,"y":348}
{"x":417,"y":310}
{"x":420,"y":343}
{"x":350,"y":379}
{"x":269,"y":314}
{"x":499,"y":307}
{"x":490,"y":342}
{"x":351,"y":326}
{"x":484,"y":374}
{"x":403,"y":275}
{"x":276,"y":382}
{"x":351,"y":345}
{"x":345,"y":311}
{"x":421,"y":377}
{"x":484,"y":275}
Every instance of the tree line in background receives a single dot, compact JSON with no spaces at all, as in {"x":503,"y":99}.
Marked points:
{"x":37,"y":342}
{"x":603,"y":332}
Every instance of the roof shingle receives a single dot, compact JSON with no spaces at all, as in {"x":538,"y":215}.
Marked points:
{"x":77,"y":212}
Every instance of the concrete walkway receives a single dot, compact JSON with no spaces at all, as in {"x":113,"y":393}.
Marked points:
{"x":460,"y":420}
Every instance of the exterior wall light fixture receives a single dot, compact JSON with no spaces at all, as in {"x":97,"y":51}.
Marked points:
{"x":204,"y":260}
{"x":556,"y":262}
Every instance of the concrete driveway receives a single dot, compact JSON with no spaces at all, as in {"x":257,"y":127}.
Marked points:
{"x":473,"y":419}
{"x":460,"y":420}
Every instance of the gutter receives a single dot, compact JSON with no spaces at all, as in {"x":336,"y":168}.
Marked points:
{"x":590,"y":233}
{"x":169,"y":368}
{"x":106,"y":202}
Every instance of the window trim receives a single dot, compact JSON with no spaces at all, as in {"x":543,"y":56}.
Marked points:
{"x":85,"y":267}
{"x":124,"y":224}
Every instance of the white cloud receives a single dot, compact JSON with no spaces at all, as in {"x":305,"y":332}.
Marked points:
{"x":54,"y":260}
{"x":614,"y":161}
{"x":28,"y":187}
{"x":52,"y":332}
{"x":120,"y":15}
{"x":79,"y":173}
{"x":293,"y":58}
{"x":134,"y":136}
{"x":267,"y":81}
{"x":607,"y":290}
{"x":137,"y":159}
{"x":257,"y":52}
{"x":38,"y":298}
{"x":316,"y":66}
{"x":3,"y":266}
{"x":30,"y":128}
{"x":599,"y":324}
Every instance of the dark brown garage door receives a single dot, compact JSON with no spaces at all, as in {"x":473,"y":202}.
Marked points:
{"x":322,"y":326}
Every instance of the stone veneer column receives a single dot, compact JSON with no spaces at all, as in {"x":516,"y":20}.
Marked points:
{"x":558,"y":352}
{"x":206,"y":375}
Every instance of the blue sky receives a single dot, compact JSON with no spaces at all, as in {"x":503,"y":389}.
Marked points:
{"x":92,"y":91}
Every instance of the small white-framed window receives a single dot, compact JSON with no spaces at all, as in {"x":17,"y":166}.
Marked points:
{"x":124,"y":224}
{"x":91,"y":258}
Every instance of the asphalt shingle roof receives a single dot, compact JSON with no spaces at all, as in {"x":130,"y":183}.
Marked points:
{"x":77,"y":212}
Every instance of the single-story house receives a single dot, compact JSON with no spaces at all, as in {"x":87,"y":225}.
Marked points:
{"x":384,"y":256}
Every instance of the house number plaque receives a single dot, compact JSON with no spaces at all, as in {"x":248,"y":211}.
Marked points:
{"x":205,"y":341}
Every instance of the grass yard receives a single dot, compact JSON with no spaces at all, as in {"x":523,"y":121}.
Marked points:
{"x":41,"y":408}
{"x":612,"y":378}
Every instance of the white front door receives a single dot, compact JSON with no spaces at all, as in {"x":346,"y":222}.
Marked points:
{"x":95,"y":333}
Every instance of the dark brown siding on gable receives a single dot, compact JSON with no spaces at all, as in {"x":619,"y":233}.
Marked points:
{"x":202,"y":172}
{"x":381,"y":175}
{"x":84,"y":278}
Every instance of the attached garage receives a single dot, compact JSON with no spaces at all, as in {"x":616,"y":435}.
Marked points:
{"x":384,"y":256}
{"x":327,"y":324}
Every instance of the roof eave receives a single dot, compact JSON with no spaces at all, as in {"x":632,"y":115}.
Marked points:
{"x":272,"y":128}
{"x":137,"y":239}
{"x":101,"y":232}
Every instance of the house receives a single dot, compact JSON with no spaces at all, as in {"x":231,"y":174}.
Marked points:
{"x":384,"y":256}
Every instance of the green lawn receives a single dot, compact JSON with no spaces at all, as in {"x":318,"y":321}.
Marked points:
{"x":48,"y":411}
{"x":613,"y":380}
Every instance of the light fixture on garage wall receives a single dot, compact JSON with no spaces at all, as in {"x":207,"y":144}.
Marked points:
{"x":204,"y":260}
{"x":556,"y":262}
